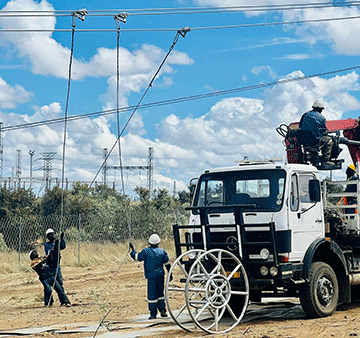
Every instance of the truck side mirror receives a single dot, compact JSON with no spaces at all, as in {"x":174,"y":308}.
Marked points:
{"x":192,"y":186}
{"x":314,"y":190}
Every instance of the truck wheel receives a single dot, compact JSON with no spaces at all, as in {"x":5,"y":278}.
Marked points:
{"x":319,"y":297}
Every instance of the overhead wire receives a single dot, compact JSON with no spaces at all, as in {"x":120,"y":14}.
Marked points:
{"x":250,"y":25}
{"x":182,"y":33}
{"x":119,"y":18}
{"x":180,"y":99}
{"x":185,"y":10}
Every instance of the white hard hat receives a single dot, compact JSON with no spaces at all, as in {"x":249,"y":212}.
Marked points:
{"x":154,"y":239}
{"x":318,"y":104}
{"x":49,"y":231}
{"x":31,"y":252}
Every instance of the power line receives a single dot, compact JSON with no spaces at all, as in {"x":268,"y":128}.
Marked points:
{"x":184,"y":10}
{"x":178,"y":100}
{"x":261,"y":24}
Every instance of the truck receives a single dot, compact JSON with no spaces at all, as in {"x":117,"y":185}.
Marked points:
{"x":269,"y":229}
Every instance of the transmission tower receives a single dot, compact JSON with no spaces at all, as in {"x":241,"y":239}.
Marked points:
{"x":148,"y":167}
{"x":18,"y":163}
{"x":47,"y":167}
{"x":1,"y":151}
{"x":150,"y":170}
{"x":104,"y":169}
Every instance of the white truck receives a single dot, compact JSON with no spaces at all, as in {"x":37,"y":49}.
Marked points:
{"x":275,"y":219}
{"x":267,"y":229}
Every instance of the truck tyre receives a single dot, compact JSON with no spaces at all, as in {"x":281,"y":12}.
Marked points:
{"x":319,"y":297}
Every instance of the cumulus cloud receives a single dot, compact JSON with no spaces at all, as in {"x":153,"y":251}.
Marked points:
{"x":257,"y":70}
{"x":231,"y":129}
{"x":237,"y":127}
{"x":338,"y":33}
{"x":11,"y":96}
{"x":47,"y":57}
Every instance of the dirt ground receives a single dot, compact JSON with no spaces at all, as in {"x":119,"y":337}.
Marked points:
{"x":119,"y":293}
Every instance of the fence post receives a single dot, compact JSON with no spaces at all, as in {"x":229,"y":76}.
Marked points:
{"x":19,"y":250}
{"x":79,"y":230}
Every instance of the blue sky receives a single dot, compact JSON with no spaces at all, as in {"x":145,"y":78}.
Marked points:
{"x":187,"y":137}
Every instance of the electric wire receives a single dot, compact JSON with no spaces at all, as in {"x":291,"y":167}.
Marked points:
{"x":117,"y":100}
{"x":180,"y":99}
{"x":184,"y":10}
{"x":178,"y":33}
{"x":250,"y":25}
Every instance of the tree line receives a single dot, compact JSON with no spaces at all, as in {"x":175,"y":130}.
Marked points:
{"x":97,"y":213}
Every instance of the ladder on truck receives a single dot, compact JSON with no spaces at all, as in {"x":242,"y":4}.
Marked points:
{"x":334,"y":197}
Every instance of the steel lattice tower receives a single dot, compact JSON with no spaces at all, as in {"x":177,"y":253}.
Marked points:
{"x":18,"y":164}
{"x":104,"y":168}
{"x":150,"y":170}
{"x":47,"y":167}
{"x":1,"y":151}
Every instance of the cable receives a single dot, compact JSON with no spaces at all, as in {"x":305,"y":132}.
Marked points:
{"x":118,"y":18}
{"x":275,"y":23}
{"x":179,"y":100}
{"x":181,"y":32}
{"x":186,"y":10}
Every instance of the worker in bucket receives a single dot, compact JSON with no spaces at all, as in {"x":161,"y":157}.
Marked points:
{"x":55,"y":245}
{"x":47,"y":278}
{"x":314,"y":122}
{"x":154,"y":259}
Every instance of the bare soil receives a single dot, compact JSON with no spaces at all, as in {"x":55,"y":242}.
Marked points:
{"x":118,"y":293}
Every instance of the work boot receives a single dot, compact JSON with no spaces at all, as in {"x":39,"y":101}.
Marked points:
{"x":328,"y":164}
{"x":152,"y":317}
{"x":163,"y":313}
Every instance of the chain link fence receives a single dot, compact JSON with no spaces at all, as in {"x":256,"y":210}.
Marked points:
{"x":20,"y":234}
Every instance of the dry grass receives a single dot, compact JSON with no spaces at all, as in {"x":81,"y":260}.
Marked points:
{"x":90,"y":254}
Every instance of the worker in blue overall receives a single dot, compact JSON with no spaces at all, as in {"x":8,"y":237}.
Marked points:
{"x":55,"y":246}
{"x":315,"y":123}
{"x":154,"y":259}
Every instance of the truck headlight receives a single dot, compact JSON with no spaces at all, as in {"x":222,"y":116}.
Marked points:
{"x":264,"y":271}
{"x":264,"y":254}
{"x":274,"y":271}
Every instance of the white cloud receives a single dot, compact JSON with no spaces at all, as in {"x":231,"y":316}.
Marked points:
{"x":339,"y":33}
{"x":237,"y":127}
{"x":257,"y":70}
{"x":48,"y":57}
{"x":11,"y":96}
{"x":295,"y":57}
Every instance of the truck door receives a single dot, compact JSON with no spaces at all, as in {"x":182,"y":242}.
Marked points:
{"x":306,"y":219}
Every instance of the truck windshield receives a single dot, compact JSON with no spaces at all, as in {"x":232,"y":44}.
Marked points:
{"x":264,"y":188}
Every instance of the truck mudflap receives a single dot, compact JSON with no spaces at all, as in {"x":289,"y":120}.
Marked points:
{"x":325,"y":250}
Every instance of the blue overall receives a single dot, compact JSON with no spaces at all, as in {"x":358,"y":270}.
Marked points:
{"x":48,"y":281}
{"x":154,"y":259}
{"x":314,"y":122}
{"x":54,"y":263}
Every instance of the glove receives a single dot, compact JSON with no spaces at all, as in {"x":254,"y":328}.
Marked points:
{"x":131,"y":247}
{"x":170,"y":277}
{"x":61,"y":235}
